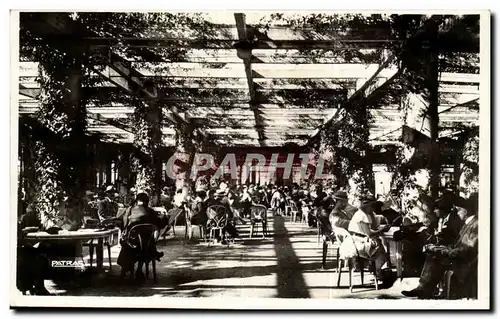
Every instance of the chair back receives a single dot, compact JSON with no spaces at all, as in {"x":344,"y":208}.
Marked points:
{"x":160,"y":210}
{"x":111,"y":223}
{"x":340,"y":234}
{"x":143,"y":235}
{"x":258,"y":213}
{"x":217,"y":214}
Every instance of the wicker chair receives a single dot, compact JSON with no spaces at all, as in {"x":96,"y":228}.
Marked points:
{"x":258,"y":215}
{"x":217,"y":221}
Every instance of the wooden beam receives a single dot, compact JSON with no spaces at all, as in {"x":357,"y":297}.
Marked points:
{"x":254,"y":103}
{"x":365,"y":92}
{"x":29,"y":92}
{"x":62,"y":24}
{"x":112,"y":122}
{"x":231,"y":32}
{"x":228,"y":44}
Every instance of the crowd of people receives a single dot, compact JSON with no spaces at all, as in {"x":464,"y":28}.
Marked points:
{"x":449,"y":241}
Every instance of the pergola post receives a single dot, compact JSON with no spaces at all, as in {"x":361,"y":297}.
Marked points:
{"x":61,"y":161}
{"x":432,"y":86}
{"x":148,"y":139}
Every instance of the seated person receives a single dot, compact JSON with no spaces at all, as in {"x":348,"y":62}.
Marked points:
{"x":246,"y":202}
{"x":30,"y":218}
{"x":198,"y":212}
{"x":323,"y":204}
{"x":341,"y":215}
{"x":223,"y":198}
{"x":219,"y":198}
{"x":140,"y":213}
{"x":449,"y":223}
{"x":236,"y":206}
{"x":461,"y":257}
{"x":365,"y":230}
{"x":391,"y":216}
{"x":32,"y":262}
{"x":306,"y":209}
{"x":107,"y":207}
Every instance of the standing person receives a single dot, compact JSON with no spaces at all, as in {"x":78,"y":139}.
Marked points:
{"x":246,"y":202}
{"x":277,"y":201}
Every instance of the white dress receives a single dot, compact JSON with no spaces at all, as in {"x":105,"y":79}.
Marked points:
{"x":364,"y":247}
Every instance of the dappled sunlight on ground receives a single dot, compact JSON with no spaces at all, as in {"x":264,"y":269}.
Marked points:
{"x":286,"y":264}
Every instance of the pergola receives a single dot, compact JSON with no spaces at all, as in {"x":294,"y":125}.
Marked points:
{"x":242,"y":85}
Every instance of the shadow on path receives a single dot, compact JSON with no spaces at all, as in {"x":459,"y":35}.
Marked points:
{"x":291,"y":283}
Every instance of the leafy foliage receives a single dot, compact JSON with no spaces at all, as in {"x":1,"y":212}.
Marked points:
{"x":470,"y":163}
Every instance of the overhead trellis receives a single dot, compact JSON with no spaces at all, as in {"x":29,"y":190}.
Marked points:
{"x":339,"y":75}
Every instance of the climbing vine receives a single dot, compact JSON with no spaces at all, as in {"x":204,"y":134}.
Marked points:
{"x":470,"y":164}
{"x":59,"y":142}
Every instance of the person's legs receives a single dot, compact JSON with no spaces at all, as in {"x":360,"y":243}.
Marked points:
{"x":381,"y":258}
{"x":139,"y":274}
{"x":40,"y":273}
{"x":432,"y":273}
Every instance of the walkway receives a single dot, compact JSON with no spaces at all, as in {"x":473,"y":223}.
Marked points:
{"x":287,"y":264}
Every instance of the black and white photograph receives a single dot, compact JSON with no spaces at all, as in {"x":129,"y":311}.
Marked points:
{"x":270,"y":159}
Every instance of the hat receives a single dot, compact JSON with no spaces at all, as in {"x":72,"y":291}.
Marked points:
{"x":446,"y":201}
{"x":219,"y":192}
{"x":368,"y":200}
{"x":142,"y":197}
{"x":110,"y":188}
{"x":340,"y":195}
{"x":473,"y":202}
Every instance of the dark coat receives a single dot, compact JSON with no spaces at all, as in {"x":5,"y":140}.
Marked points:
{"x":451,"y":230}
{"x":461,"y":257}
{"x":106,"y":208}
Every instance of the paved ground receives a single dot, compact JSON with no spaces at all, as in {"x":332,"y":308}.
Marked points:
{"x":287,"y":264}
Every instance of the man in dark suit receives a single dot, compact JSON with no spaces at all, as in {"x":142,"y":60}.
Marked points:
{"x":107,"y":207}
{"x":460,"y":256}
{"x":140,"y":213}
{"x":449,"y":223}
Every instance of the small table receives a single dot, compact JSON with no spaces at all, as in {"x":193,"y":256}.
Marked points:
{"x":389,"y":237}
{"x":78,"y":236}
